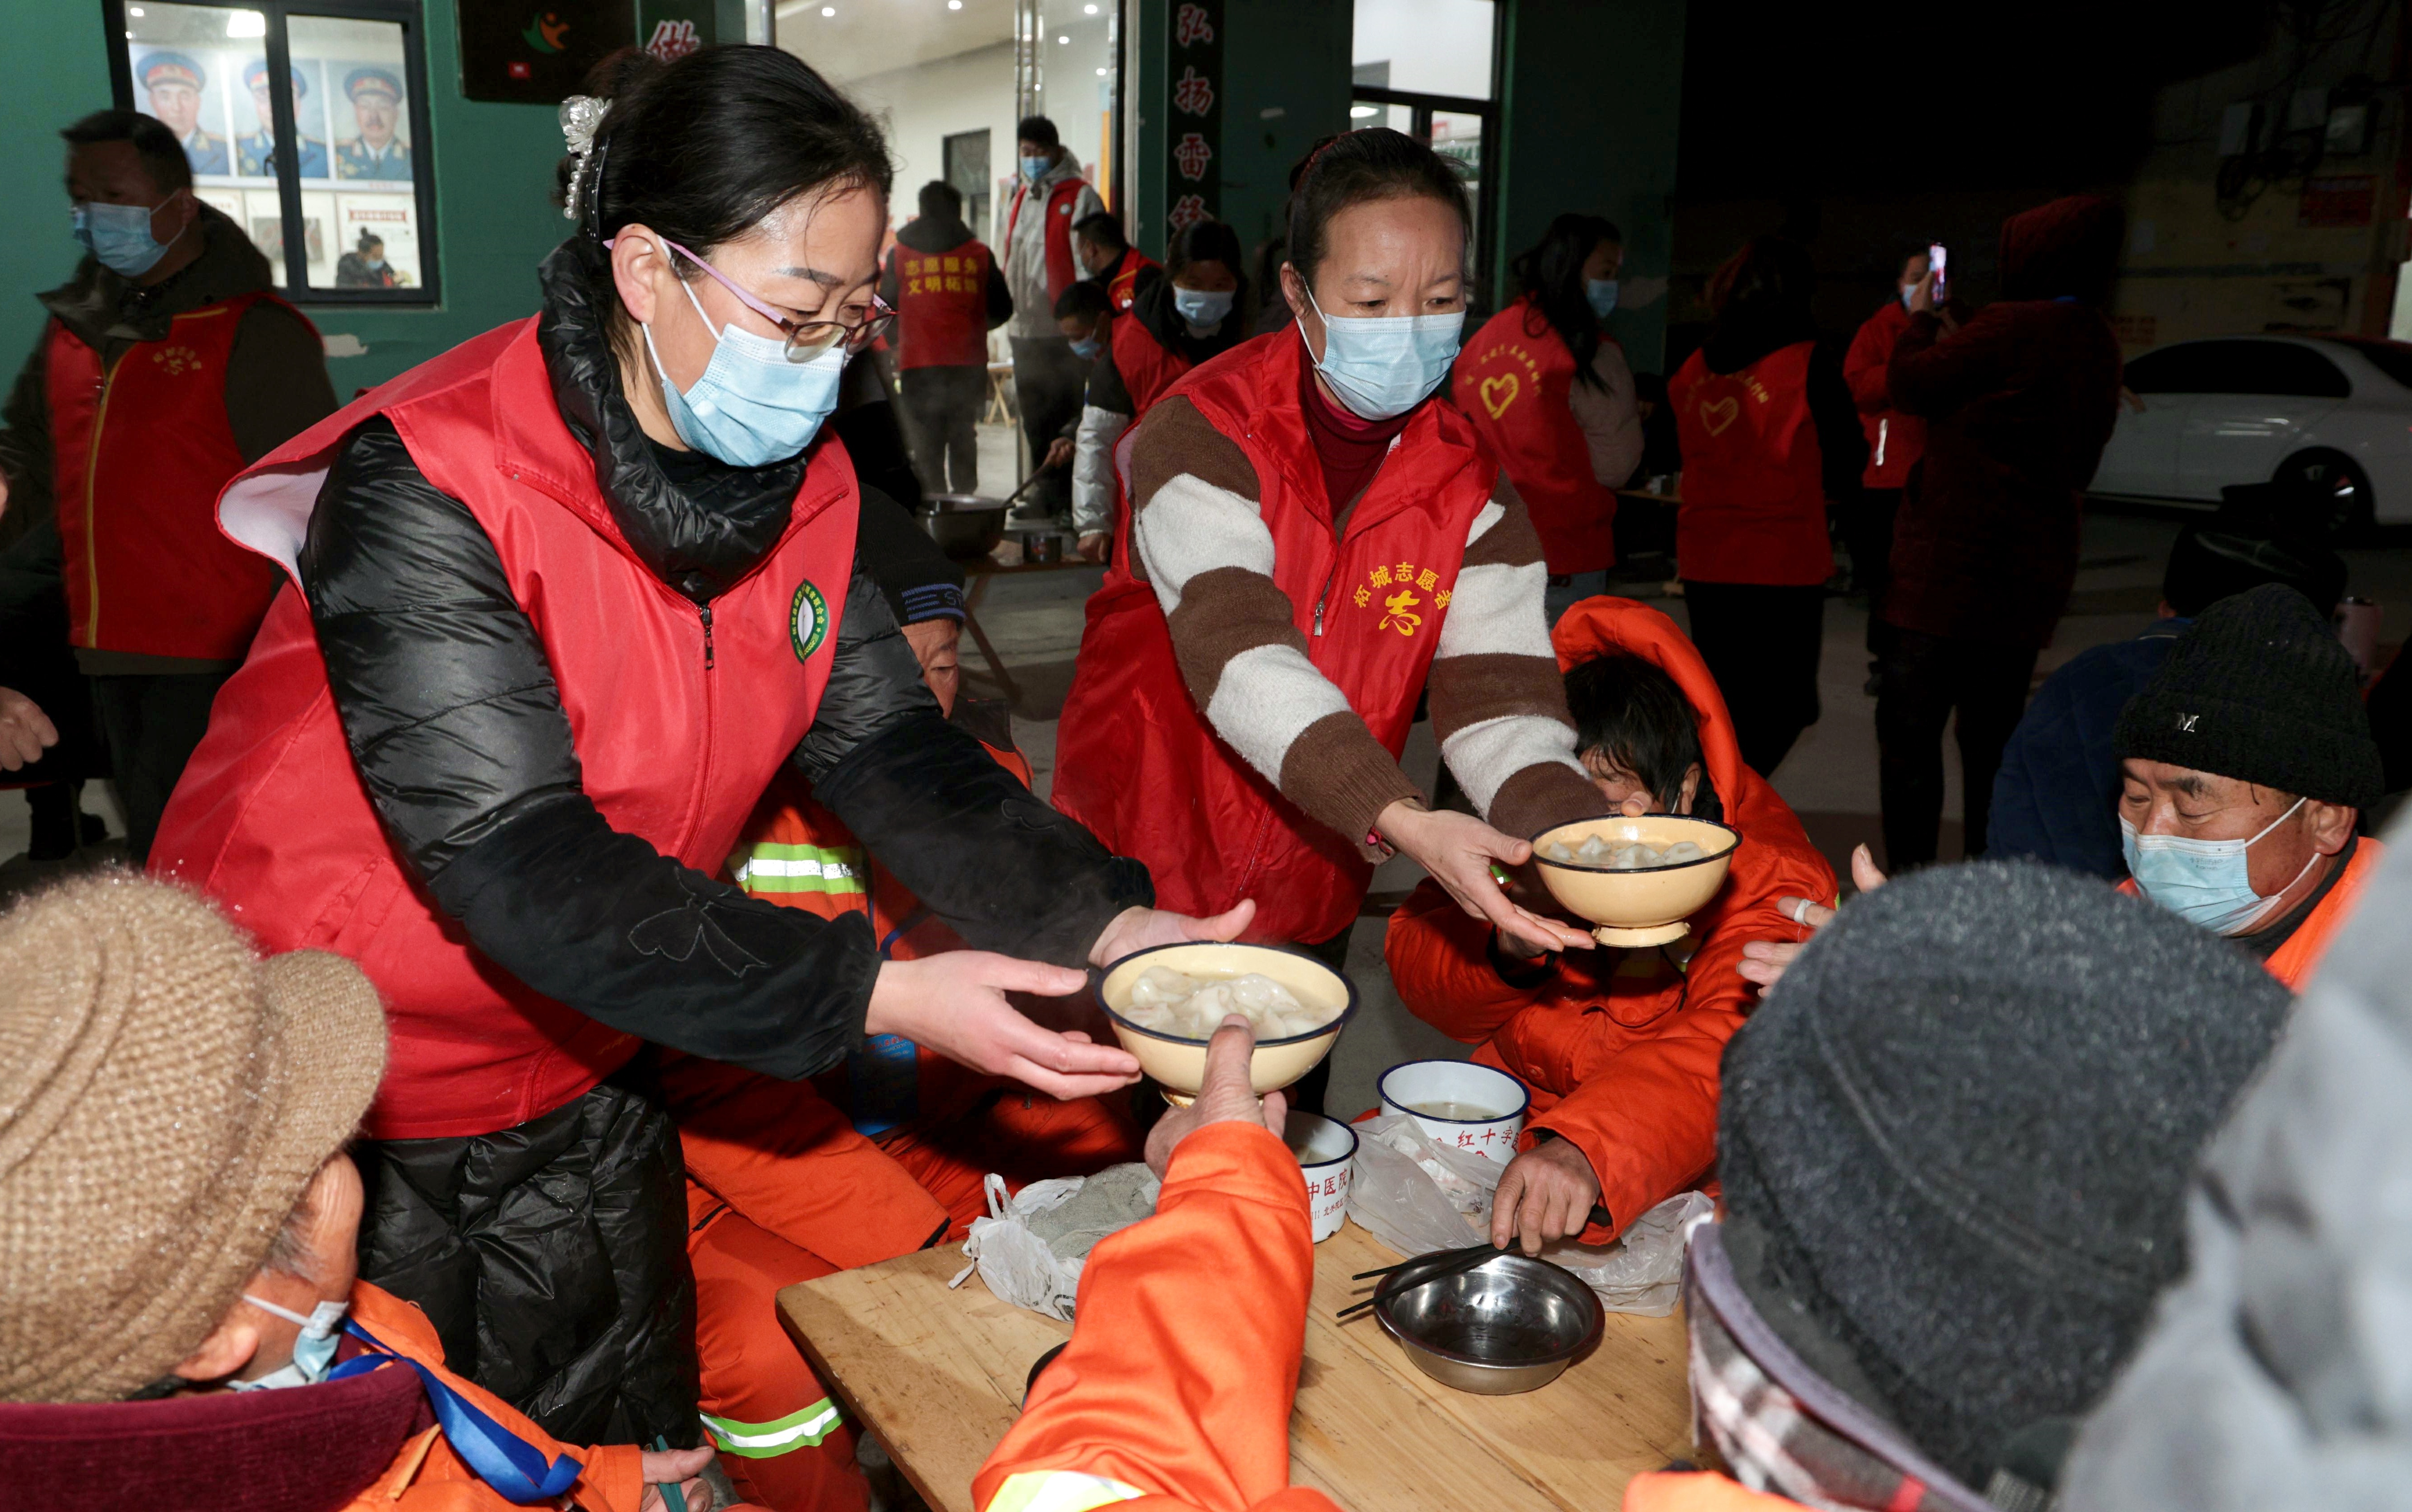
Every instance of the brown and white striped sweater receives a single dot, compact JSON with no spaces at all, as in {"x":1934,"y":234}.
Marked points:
{"x":1497,"y":704}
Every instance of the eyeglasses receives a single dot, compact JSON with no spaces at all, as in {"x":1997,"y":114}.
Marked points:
{"x":805,"y":339}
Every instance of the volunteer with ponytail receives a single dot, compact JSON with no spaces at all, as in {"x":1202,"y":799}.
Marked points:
{"x":567,"y":599}
{"x":1548,"y":390}
{"x":1316,"y":542}
{"x":1176,"y":322}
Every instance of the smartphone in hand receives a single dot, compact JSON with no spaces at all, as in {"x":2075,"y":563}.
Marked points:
{"x":1935,"y":255}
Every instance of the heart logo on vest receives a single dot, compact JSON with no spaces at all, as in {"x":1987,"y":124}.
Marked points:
{"x":1508,"y":388}
{"x":807,"y":621}
{"x":1719,"y":412}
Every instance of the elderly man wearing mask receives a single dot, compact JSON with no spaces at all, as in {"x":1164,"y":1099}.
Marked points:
{"x":181,"y":1321}
{"x":2243,"y":765}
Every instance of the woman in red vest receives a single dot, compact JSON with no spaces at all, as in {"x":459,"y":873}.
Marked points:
{"x":1770,"y":435}
{"x":1174,"y":323}
{"x":1548,"y":390}
{"x":567,"y":599}
{"x":1315,"y":543}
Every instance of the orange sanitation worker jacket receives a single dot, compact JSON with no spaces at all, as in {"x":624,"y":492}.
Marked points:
{"x":2294,"y":962}
{"x":427,"y":1476}
{"x":1697,"y":1491}
{"x":1145,"y":1409}
{"x":1620,"y":1048}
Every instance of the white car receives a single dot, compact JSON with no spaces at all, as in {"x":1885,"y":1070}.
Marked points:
{"x":2334,"y":412}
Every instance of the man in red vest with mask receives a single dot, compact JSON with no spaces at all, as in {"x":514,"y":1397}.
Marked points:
{"x":949,"y":294}
{"x":166,"y":367}
{"x":1107,"y":255}
{"x":1040,"y":264}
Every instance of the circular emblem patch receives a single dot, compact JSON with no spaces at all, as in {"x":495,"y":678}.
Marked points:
{"x":807,"y":621}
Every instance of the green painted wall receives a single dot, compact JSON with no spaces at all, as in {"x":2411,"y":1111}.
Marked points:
{"x":494,"y":217}
{"x":1591,"y":90}
{"x":1289,"y":57}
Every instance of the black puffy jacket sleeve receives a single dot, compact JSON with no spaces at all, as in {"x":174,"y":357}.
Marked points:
{"x":449,"y":706}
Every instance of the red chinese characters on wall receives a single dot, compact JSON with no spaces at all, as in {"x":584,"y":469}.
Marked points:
{"x":1192,"y":24}
{"x":1192,"y":155}
{"x":1194,"y":94}
{"x":1186,"y":211}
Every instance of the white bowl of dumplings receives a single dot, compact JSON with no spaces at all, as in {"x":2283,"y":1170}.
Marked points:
{"x":1165,"y":1003}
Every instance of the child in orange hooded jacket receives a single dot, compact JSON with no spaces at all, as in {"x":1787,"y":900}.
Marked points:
{"x":1620,"y":1052}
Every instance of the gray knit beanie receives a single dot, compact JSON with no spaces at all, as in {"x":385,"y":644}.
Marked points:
{"x":1958,"y":1132}
{"x":2259,"y":689}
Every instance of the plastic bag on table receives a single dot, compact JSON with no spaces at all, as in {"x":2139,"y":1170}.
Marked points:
{"x":1643,"y":1273}
{"x":1415,"y":1194}
{"x":1030,"y":1248}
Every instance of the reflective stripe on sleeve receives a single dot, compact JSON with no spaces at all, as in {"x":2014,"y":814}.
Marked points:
{"x":1059,"y":1490}
{"x":776,"y":868}
{"x":803,"y":1430}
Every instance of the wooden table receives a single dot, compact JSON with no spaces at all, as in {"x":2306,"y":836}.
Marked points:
{"x":938,"y":1375}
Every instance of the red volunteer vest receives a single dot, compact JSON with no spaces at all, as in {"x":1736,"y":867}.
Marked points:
{"x":1515,"y":380}
{"x":1895,"y":440}
{"x":676,"y":737}
{"x":941,"y":307}
{"x":1123,"y":286}
{"x":1754,"y":506}
{"x":1138,"y":762}
{"x":140,"y":453}
{"x":1148,"y":367}
{"x":1062,"y":267}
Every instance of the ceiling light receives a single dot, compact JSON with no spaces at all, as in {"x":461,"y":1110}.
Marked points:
{"x":1360,"y":111}
{"x":1101,"y":73}
{"x":1085,"y":10}
{"x":829,"y":11}
{"x":246,"y":24}
{"x":1063,"y":39}
{"x":135,"y":11}
{"x":954,"y":4}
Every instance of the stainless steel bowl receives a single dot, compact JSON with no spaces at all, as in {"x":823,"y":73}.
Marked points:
{"x":967,"y":526}
{"x":1511,"y":1324}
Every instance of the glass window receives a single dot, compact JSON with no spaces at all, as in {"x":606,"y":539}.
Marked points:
{"x":963,"y":158}
{"x":2238,"y":367}
{"x":1428,"y":46}
{"x":341,"y":206}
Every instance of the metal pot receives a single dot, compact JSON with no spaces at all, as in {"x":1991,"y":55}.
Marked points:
{"x":1510,"y":1324}
{"x":967,"y":526}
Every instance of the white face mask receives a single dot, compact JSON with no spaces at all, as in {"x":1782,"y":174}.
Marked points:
{"x":2208,"y":882}
{"x":1383,"y":366}
{"x":313,"y":1353}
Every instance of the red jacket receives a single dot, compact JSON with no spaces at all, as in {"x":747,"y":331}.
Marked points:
{"x":1062,"y":267}
{"x":1148,"y":370}
{"x":1139,"y":765}
{"x":1149,"y":1397}
{"x":1754,"y":506}
{"x":140,"y":453}
{"x":1514,"y":380}
{"x":1122,"y":285}
{"x":941,"y":305}
{"x":1894,"y":439}
{"x":270,"y":817}
{"x":1621,"y":1049}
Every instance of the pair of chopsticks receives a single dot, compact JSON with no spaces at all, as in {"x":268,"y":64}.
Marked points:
{"x":1445,"y":1263}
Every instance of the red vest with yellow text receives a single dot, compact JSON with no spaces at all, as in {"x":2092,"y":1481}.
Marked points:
{"x":1754,"y":506}
{"x":941,"y":307}
{"x":1138,"y":762}
{"x":1514,"y":381}
{"x":1122,"y":285}
{"x":272,"y":820}
{"x":1062,"y":267}
{"x":140,"y":451}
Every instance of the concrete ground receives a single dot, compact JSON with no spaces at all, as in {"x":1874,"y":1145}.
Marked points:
{"x":1830,"y":778}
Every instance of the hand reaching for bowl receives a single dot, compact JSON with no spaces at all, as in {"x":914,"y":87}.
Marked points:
{"x":1546,"y":1194}
{"x":1136,"y":929}
{"x":1764,"y":961}
{"x":1225,"y":1096}
{"x":1458,"y":849}
{"x":955,"y":1003}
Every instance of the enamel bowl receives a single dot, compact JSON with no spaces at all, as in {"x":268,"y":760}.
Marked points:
{"x":1180,"y":1064}
{"x":1643,"y":905}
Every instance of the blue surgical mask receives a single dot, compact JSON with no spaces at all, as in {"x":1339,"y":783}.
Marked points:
{"x":313,"y":1353}
{"x":1600,"y":294}
{"x":1035,"y":168}
{"x":752,"y":406}
{"x":1202,"y":308}
{"x":120,"y":236}
{"x":1087,"y":348}
{"x":2206,"y":882}
{"x":1383,"y":366}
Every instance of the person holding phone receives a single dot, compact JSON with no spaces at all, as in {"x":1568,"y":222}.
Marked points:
{"x":1894,"y":442}
{"x":1319,"y":539}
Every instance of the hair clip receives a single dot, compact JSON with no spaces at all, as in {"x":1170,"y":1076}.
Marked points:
{"x":581,"y":116}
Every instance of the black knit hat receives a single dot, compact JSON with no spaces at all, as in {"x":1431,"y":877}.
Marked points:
{"x":1958,"y":1134}
{"x":2259,"y":690}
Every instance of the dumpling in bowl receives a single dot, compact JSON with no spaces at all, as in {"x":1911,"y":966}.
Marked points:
{"x":1193,"y":1007}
